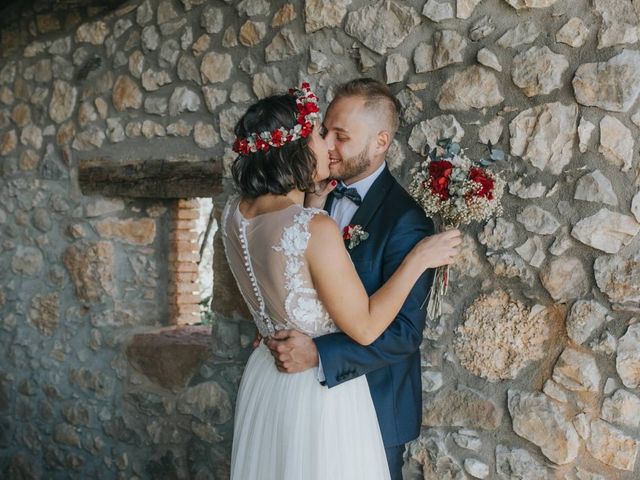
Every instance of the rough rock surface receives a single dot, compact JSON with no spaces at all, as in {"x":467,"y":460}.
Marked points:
{"x":461,"y":407}
{"x":91,"y":268}
{"x":321,"y":13}
{"x":618,"y":277}
{"x":585,"y":317}
{"x":606,"y":230}
{"x":622,"y":409}
{"x":428,"y":132}
{"x":537,"y":220}
{"x":381,"y":26}
{"x":616,"y":142}
{"x":612,"y":85}
{"x":498,"y":234}
{"x":518,"y":463}
{"x":619,"y":22}
{"x":628,"y":357}
{"x":543,"y":422}
{"x":611,"y":446}
{"x":545,"y":135}
{"x":595,"y":187}
{"x":500,"y":336}
{"x":565,"y":279}
{"x":577,"y":371}
{"x":474,"y":87}
{"x":574,"y":33}
{"x":538,"y":71}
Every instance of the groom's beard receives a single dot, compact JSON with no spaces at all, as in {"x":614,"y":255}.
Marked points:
{"x":353,"y":166}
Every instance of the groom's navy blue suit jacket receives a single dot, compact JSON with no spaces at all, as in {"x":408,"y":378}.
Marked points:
{"x":395,"y":223}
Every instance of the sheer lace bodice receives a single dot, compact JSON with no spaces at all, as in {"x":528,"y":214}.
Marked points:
{"x":266,"y":256}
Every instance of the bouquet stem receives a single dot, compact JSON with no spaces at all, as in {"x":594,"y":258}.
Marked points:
{"x":438,"y":291}
{"x":439,"y":288}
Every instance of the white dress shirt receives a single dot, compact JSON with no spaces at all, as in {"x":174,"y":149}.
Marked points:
{"x":342,"y":211}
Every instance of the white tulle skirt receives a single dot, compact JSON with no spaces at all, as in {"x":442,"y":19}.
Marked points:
{"x":289,"y":427}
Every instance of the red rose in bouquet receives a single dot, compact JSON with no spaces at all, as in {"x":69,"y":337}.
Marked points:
{"x":440,"y":172}
{"x":486,"y":183}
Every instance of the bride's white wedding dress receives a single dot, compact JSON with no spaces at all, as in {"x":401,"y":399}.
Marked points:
{"x":289,"y":426}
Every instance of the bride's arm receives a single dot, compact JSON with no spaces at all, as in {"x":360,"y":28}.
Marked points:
{"x":361,"y":317}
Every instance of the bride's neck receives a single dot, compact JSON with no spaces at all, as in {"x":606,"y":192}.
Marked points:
{"x":270,"y":202}
{"x":296,"y":196}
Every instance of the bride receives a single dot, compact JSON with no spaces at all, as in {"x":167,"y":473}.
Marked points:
{"x":294,"y":272}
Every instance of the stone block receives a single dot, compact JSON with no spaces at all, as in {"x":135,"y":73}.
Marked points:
{"x":170,"y":357}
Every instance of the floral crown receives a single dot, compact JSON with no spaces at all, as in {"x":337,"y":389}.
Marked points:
{"x":308,"y":112}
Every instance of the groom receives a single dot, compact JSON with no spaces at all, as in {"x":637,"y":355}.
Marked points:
{"x":359,"y":127}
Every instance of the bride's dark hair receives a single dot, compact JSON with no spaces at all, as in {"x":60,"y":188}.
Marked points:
{"x":277,"y":170}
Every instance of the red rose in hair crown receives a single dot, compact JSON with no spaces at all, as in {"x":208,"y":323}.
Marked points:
{"x":308,"y":112}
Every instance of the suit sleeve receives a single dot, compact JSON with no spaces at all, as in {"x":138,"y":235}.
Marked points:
{"x":342,"y":358}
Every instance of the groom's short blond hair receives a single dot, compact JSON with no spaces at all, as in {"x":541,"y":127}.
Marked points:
{"x":378,"y":99}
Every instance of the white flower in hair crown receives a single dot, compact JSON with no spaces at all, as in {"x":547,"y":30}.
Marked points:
{"x":308,"y":112}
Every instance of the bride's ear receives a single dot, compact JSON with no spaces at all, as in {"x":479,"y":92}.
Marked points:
{"x":383,"y":141}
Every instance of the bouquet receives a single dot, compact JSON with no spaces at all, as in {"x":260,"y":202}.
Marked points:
{"x":449,"y":185}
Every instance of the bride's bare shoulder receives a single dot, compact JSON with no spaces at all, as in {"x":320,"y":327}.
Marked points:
{"x":324,"y":232}
{"x":322,"y":225}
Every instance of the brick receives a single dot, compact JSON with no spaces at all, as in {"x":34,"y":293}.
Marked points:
{"x":186,"y":214}
{"x":185,"y":235}
{"x":188,"y":203}
{"x":185,"y":277}
{"x":184,"y":298}
{"x":184,"y":225}
{"x":183,"y":267}
{"x":178,"y":309}
{"x":183,"y":287}
{"x":185,"y":319}
{"x":180,"y":246}
{"x":185,"y":309}
{"x":184,"y":256}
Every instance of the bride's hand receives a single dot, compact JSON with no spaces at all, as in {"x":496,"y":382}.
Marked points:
{"x":318,"y":198}
{"x":438,"y":250}
{"x":257,"y":340}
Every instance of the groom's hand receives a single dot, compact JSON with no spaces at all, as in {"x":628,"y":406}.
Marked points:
{"x":293,"y":351}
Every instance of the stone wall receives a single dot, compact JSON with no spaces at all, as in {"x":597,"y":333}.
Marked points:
{"x":533,"y":371}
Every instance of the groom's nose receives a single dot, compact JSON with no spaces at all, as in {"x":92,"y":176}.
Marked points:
{"x":329,"y":139}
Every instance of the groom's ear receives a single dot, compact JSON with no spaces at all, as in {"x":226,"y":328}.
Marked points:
{"x":383,"y":141}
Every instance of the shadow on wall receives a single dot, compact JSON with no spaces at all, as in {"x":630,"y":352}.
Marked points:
{"x":22,"y":21}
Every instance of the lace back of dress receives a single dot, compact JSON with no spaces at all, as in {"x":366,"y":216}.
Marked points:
{"x":235,"y":239}
{"x":268,"y":262}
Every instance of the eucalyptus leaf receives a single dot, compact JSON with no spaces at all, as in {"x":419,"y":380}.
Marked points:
{"x":497,"y":155}
{"x":454,"y":149}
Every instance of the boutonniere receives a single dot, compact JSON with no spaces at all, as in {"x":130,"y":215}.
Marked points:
{"x":355,"y":234}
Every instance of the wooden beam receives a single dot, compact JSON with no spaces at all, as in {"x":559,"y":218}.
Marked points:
{"x":151,"y":178}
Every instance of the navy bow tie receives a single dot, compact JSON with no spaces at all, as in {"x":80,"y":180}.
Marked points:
{"x":351,"y":193}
